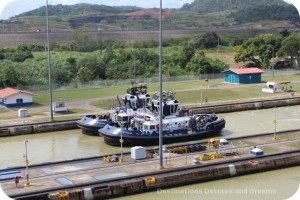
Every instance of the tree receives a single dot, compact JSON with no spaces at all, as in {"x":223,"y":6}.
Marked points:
{"x":85,"y":74}
{"x":61,"y":74}
{"x":284,"y":33}
{"x":9,"y":76}
{"x":258,"y":51}
{"x":71,"y":62}
{"x":206,"y":41}
{"x":83,"y":40}
{"x":291,"y":47}
{"x":200,"y":64}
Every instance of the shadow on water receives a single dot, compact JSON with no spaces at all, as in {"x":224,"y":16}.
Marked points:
{"x":225,"y":133}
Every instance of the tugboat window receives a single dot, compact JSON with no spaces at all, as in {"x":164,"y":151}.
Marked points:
{"x":146,"y":127}
{"x":152,"y":127}
{"x":125,"y":118}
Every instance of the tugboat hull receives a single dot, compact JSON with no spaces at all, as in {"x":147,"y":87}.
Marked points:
{"x":90,"y":124}
{"x":147,"y":140}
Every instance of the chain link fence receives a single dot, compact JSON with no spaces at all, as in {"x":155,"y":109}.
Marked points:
{"x":115,"y":83}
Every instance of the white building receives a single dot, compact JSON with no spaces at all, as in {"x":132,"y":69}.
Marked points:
{"x":10,"y":97}
{"x":273,"y":87}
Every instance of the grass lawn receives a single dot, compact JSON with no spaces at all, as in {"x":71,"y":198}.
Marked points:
{"x":188,"y":92}
{"x":2,"y":110}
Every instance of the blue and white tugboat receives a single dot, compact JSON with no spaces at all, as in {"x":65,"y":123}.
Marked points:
{"x":135,"y":98}
{"x":177,"y":125}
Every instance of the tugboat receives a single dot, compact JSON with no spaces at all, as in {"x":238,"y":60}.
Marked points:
{"x":135,"y":98}
{"x":178,"y":125}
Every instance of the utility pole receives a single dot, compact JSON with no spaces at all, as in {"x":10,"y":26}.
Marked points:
{"x":161,"y":164}
{"x":218,"y":44}
{"x":49,"y":65}
{"x":26,"y":163}
{"x":275,"y":123}
{"x":273,"y":62}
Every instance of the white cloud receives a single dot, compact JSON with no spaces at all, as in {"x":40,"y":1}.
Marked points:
{"x":3,"y":3}
{"x":296,"y":3}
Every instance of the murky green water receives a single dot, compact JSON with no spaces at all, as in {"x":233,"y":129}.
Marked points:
{"x":72,"y":144}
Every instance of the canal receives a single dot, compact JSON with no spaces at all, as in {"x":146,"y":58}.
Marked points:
{"x":63,"y":145}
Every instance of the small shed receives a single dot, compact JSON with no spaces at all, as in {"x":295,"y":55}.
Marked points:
{"x":60,"y":106}
{"x":138,"y":152}
{"x":243,"y":75}
{"x":10,"y":97}
{"x":273,"y":87}
{"x":22,"y":112}
{"x":224,"y":141}
{"x":257,"y":151}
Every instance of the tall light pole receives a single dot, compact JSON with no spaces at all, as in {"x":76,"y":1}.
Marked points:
{"x":133,"y":60}
{"x":275,"y":124}
{"x":273,"y":62}
{"x":121,"y":142}
{"x":26,"y":163}
{"x":49,"y":64}
{"x":160,"y":92}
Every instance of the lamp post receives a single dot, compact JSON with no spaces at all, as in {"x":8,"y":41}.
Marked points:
{"x":100,"y":31}
{"x":275,"y":123}
{"x":121,"y":142}
{"x":26,"y":163}
{"x":273,"y":62}
{"x":160,"y":92}
{"x":133,"y":60}
{"x":49,"y":65}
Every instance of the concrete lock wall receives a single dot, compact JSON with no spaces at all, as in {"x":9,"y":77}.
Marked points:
{"x":247,"y":106}
{"x":41,"y":128}
{"x":184,"y":176}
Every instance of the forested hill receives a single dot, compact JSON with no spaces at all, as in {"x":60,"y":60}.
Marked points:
{"x":244,"y":11}
{"x":79,"y":10}
{"x":209,"y":6}
{"x":201,"y":13}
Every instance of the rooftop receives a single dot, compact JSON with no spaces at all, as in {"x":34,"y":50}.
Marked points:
{"x":11,"y":91}
{"x":252,"y":70}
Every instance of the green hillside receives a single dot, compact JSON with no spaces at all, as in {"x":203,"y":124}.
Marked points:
{"x":209,"y":6}
{"x":79,"y":10}
{"x":198,"y":14}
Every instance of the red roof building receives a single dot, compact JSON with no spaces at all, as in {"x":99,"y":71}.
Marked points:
{"x":243,"y":75}
{"x":10,"y":97}
{"x":247,"y":70}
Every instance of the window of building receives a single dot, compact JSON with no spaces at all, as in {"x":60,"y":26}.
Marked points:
{"x":19,"y":100}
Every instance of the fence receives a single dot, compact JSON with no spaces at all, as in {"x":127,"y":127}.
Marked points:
{"x":115,"y":83}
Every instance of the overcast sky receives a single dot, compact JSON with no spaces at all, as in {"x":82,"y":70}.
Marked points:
{"x":14,"y":7}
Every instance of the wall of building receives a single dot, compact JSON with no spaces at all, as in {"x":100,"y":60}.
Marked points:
{"x":231,"y":77}
{"x":250,"y":78}
{"x":11,"y":101}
